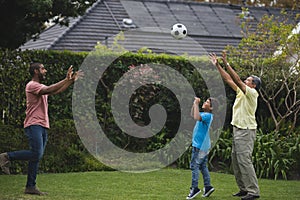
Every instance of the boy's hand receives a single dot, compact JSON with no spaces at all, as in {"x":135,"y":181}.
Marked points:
{"x":197,"y":100}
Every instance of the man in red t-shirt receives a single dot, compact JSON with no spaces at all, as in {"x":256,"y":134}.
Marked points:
{"x":36,"y":122}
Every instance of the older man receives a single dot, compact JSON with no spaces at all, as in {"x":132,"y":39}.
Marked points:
{"x":244,"y":128}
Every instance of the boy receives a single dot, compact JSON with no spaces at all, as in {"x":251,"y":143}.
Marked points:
{"x":201,"y":146}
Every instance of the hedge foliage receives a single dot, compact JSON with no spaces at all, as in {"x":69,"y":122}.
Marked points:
{"x":68,"y":155}
{"x":274,"y":155}
{"x":65,"y":151}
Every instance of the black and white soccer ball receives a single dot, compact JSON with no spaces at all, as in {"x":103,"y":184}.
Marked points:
{"x":178,"y":31}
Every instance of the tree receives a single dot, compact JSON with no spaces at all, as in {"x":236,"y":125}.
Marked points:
{"x":21,"y":20}
{"x":273,"y":52}
{"x":267,"y":3}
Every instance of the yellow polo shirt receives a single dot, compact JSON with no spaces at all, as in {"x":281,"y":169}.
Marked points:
{"x":244,"y":109}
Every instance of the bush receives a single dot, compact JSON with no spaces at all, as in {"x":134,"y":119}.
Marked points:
{"x":274,"y":156}
{"x":12,"y":139}
{"x":64,"y":151}
{"x":220,"y":154}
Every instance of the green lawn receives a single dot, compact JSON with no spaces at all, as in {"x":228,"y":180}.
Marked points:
{"x":163,"y":184}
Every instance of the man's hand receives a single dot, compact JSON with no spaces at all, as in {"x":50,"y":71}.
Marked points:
{"x":213,"y":58}
{"x":71,"y":76}
{"x":77,"y":75}
{"x":224,"y":57}
{"x":70,"y":73}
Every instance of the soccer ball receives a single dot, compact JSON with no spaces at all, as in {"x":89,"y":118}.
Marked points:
{"x":178,"y":31}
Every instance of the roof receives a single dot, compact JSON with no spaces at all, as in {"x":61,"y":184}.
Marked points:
{"x":211,"y":27}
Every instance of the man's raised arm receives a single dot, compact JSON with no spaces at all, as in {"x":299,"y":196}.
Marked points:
{"x":226,"y":77}
{"x":234,"y":76}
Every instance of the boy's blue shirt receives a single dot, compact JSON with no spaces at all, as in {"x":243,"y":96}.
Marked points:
{"x":201,"y":138}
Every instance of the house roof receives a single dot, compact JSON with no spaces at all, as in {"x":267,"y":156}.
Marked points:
{"x":210,"y":26}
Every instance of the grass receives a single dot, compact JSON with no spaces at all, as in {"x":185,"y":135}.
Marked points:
{"x":163,"y":184}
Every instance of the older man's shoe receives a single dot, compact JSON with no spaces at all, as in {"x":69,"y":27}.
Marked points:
{"x":34,"y":191}
{"x":250,"y":197}
{"x":240,"y":194}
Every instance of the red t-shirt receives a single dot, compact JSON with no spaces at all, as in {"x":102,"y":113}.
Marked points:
{"x":37,"y":105}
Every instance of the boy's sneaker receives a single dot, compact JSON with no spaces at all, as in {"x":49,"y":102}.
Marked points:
{"x":193,"y":192}
{"x":207,"y":191}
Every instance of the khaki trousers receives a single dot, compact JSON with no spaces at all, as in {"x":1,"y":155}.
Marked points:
{"x":242,"y":148}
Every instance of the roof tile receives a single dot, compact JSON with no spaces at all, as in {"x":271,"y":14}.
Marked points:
{"x":210,"y":26}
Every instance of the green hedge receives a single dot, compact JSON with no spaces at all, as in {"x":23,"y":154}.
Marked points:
{"x":274,"y":155}
{"x":65,"y":152}
{"x":14,"y":75}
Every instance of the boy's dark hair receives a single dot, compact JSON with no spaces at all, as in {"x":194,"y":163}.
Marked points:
{"x":34,"y":66}
{"x":214,"y":103}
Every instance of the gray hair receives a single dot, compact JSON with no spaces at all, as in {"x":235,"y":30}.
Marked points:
{"x":256,"y":81}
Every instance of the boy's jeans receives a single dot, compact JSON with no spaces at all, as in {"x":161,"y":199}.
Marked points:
{"x":199,"y":163}
{"x":37,"y":139}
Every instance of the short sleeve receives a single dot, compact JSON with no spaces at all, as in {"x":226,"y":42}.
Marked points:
{"x":206,"y":117}
{"x":251,"y":92}
{"x":34,"y":87}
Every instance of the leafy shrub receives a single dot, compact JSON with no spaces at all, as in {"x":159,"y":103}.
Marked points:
{"x":184,"y":161}
{"x":220,"y":154}
{"x":274,"y":154}
{"x":65,"y":151}
{"x":12,"y":139}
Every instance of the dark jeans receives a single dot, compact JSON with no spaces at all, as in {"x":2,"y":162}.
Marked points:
{"x":37,"y":139}
{"x":199,"y":163}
